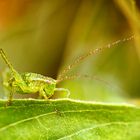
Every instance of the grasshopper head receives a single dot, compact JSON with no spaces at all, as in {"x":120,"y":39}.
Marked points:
{"x":49,"y":87}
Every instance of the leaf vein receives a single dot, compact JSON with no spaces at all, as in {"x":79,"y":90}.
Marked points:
{"x":46,"y":114}
{"x":94,"y":127}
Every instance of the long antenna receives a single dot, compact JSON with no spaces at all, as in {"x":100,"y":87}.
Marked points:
{"x":92,"y":52}
{"x":7,"y":61}
{"x":77,"y":76}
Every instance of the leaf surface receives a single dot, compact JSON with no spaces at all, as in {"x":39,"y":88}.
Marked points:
{"x":68,"y":120}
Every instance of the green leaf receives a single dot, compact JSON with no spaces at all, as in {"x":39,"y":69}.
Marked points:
{"x":68,"y":120}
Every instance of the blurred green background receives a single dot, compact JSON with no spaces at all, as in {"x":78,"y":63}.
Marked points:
{"x":44,"y":36}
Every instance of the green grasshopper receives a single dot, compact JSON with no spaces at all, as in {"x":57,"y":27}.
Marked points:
{"x":29,"y":83}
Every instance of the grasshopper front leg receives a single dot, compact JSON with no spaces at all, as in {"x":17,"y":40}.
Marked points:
{"x":42,"y":94}
{"x":63,"y":90}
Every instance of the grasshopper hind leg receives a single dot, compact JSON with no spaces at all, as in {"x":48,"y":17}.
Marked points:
{"x":9,"y":101}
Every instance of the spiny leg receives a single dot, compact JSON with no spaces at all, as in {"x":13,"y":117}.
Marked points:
{"x":9,"y":102}
{"x":63,"y":90}
{"x":16,"y":75}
